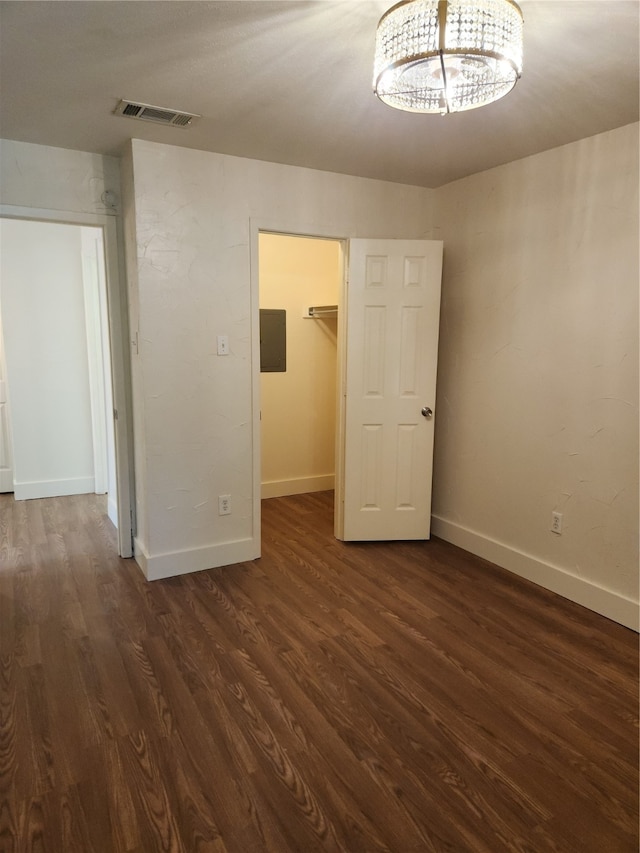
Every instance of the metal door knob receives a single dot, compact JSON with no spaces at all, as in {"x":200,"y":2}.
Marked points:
{"x":426,"y":412}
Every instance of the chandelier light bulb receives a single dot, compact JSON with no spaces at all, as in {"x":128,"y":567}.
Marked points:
{"x":445,"y":56}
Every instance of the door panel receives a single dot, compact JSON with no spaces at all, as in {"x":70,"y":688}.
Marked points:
{"x":6,"y":457}
{"x":393,"y":308}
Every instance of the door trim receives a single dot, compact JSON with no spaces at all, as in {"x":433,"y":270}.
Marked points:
{"x":120,"y":355}
{"x":94,"y":311}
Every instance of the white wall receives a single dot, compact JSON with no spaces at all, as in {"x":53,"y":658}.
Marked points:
{"x":298,"y":407}
{"x":193,"y":213}
{"x":41,"y":177}
{"x":538,"y":369}
{"x":46,"y":356}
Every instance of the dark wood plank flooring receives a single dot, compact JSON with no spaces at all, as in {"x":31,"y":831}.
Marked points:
{"x":401,"y":697}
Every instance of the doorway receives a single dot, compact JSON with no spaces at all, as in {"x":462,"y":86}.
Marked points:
{"x":298,"y":394}
{"x":387,"y":344}
{"x":56,"y":338}
{"x":97,"y":433}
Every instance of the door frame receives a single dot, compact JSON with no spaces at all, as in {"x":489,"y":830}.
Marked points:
{"x":119,"y":345}
{"x":100,"y":391}
{"x":271,"y":226}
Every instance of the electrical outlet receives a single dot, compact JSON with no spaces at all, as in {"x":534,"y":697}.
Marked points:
{"x":556,"y":522}
{"x":224,"y":504}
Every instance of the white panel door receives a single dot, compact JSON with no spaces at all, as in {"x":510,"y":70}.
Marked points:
{"x":6,"y":456}
{"x":393,"y":312}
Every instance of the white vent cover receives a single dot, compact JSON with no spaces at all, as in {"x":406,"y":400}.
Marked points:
{"x":159,"y":115}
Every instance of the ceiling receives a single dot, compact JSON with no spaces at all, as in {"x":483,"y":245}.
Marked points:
{"x":290,"y":82}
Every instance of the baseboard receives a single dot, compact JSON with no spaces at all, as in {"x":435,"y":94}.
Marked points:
{"x":623,"y":610}
{"x":53,"y":488}
{"x":158,"y":566}
{"x":298,"y":486}
{"x":140,"y":555}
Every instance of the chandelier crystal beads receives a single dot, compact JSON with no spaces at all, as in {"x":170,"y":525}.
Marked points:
{"x":444,"y":56}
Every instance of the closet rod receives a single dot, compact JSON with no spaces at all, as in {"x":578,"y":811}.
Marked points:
{"x":323,"y":311}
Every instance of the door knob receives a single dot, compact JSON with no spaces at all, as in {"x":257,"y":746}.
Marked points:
{"x":426,"y":412}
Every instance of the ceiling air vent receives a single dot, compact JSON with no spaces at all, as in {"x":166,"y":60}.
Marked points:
{"x":159,"y":115}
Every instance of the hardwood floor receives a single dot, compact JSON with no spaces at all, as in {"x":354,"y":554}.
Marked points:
{"x":402,"y":697}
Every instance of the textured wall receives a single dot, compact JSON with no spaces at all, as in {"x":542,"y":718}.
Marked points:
{"x":56,"y":179}
{"x":193,"y":211}
{"x":538,"y":370}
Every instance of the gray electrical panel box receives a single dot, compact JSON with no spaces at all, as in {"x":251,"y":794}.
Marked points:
{"x":273,"y":340}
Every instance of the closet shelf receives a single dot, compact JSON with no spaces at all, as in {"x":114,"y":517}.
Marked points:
{"x":317,"y":312}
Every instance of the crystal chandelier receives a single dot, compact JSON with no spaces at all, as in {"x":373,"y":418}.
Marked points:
{"x":444,"y":56}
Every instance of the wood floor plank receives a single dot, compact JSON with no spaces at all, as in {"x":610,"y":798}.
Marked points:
{"x":344,"y":697}
{"x":10,"y":676}
{"x":156,"y":820}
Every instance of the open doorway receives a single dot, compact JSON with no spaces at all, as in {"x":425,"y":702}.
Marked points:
{"x":387,"y":340}
{"x":298,"y":392}
{"x":56,"y":342}
{"x":61,"y":321}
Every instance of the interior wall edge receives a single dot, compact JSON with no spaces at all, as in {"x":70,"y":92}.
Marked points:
{"x":610,"y":604}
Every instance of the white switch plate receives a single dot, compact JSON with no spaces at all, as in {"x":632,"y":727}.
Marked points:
{"x":223,"y":344}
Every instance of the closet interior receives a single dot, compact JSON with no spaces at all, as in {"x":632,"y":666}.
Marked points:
{"x":302,"y":277}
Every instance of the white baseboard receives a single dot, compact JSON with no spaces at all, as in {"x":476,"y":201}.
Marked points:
{"x":299,"y":486}
{"x":140,"y":555}
{"x":620,"y":609}
{"x":53,"y":488}
{"x":158,"y":566}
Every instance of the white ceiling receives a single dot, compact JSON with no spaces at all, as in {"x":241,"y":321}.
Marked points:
{"x":290,"y":82}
